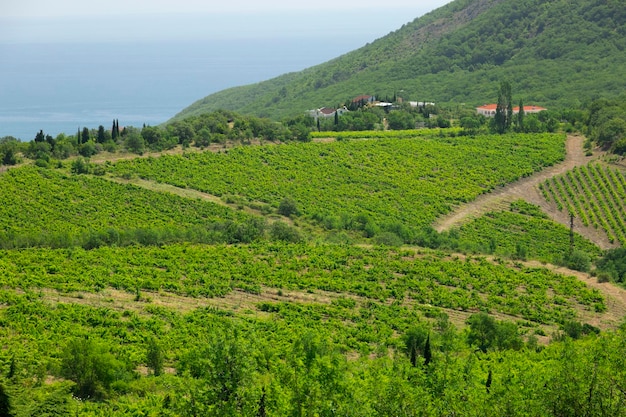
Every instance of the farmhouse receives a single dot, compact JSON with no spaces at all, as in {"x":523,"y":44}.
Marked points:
{"x":325,"y":112}
{"x":489,"y":110}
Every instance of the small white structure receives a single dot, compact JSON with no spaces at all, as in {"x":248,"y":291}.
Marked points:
{"x":325,"y":112}
{"x":421,"y":103}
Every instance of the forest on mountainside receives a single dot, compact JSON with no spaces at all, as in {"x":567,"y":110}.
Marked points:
{"x":554,"y":54}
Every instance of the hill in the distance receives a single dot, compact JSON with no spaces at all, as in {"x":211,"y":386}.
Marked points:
{"x":554,"y":53}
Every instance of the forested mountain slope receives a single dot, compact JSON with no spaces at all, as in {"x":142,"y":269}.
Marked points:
{"x":554,"y":53}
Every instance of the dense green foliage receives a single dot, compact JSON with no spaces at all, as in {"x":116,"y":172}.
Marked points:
{"x":613,"y":265}
{"x":202,"y":131}
{"x":376,"y":274}
{"x":393,"y":185}
{"x":523,"y":231}
{"x":555,"y":54}
{"x":44,"y":207}
{"x":606,"y":124}
{"x":118,"y":312}
{"x":595,"y":195}
{"x":287,"y":355}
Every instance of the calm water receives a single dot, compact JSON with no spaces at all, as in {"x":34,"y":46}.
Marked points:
{"x":63,"y":87}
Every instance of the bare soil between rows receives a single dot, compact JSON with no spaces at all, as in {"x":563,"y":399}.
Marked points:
{"x":528,"y":189}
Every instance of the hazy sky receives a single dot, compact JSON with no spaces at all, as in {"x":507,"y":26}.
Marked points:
{"x":47,"y":8}
{"x":111,"y":20}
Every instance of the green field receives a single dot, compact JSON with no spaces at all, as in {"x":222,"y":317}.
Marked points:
{"x":327,"y":321}
{"x":523,"y":231}
{"x":45,"y":207}
{"x":407,"y":181}
{"x":594,"y":194}
{"x":151,"y":300}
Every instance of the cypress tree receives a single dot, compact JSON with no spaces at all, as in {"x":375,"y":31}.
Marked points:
{"x":5,"y":404}
{"x":261,"y":411}
{"x":12,"y":368}
{"x":428,"y":354}
{"x":101,"y":136}
{"x":504,"y":108}
{"x":85,"y":135}
{"x":520,"y":117}
{"x":113,"y":131}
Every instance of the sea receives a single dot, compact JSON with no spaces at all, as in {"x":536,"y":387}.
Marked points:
{"x":62,"y":87}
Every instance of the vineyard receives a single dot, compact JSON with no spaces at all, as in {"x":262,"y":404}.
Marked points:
{"x":405,"y":181}
{"x":376,"y":274}
{"x":44,"y":206}
{"x":284,"y":319}
{"x":523,"y":231}
{"x":289,"y":296}
{"x":595,"y":195}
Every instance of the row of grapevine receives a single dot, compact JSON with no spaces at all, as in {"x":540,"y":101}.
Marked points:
{"x":411,"y":181}
{"x":595,"y":194}
{"x":45,"y":207}
{"x":93,"y":356}
{"x":522,"y":231}
{"x":375,"y":274}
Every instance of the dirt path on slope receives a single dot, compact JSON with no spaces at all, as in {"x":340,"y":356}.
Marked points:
{"x":527,"y":189}
{"x":195,"y":194}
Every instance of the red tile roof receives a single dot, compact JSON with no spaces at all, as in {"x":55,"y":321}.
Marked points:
{"x":361,"y":98}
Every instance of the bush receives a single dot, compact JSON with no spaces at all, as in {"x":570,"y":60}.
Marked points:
{"x":579,"y":261}
{"x":282,"y":231}
{"x":288,"y":207}
{"x":388,"y":239}
{"x":80,"y":166}
{"x":92,"y":368}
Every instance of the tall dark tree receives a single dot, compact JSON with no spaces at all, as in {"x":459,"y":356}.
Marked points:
{"x":504,"y":108}
{"x":5,"y":404}
{"x":85,"y":135}
{"x":428,"y":354}
{"x":520,"y":117}
{"x":154,"y":357}
{"x":40,"y":137}
{"x":78,"y":137}
{"x":115,"y":130}
{"x":101,"y":136}
{"x":414,"y":343}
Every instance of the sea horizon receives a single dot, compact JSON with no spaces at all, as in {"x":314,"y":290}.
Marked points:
{"x":63,"y":87}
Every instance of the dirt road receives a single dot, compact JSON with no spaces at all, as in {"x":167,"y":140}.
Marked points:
{"x":527,"y":189}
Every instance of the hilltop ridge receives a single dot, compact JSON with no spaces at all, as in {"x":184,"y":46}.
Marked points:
{"x":555,"y":54}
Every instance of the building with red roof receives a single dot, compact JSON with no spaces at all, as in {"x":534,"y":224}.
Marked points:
{"x":489,"y":110}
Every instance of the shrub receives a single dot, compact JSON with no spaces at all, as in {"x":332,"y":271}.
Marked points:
{"x":282,"y":231}
{"x":92,"y":368}
{"x":388,"y":239}
{"x":288,"y":207}
{"x":578,"y":260}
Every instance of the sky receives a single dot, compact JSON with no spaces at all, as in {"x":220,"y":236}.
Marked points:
{"x":34,"y":21}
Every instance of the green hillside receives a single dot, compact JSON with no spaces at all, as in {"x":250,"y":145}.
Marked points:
{"x":554,"y":53}
{"x":367,"y":183}
{"x":303,"y":279}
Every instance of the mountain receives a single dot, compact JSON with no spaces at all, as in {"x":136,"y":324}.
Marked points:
{"x":555,"y":53}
